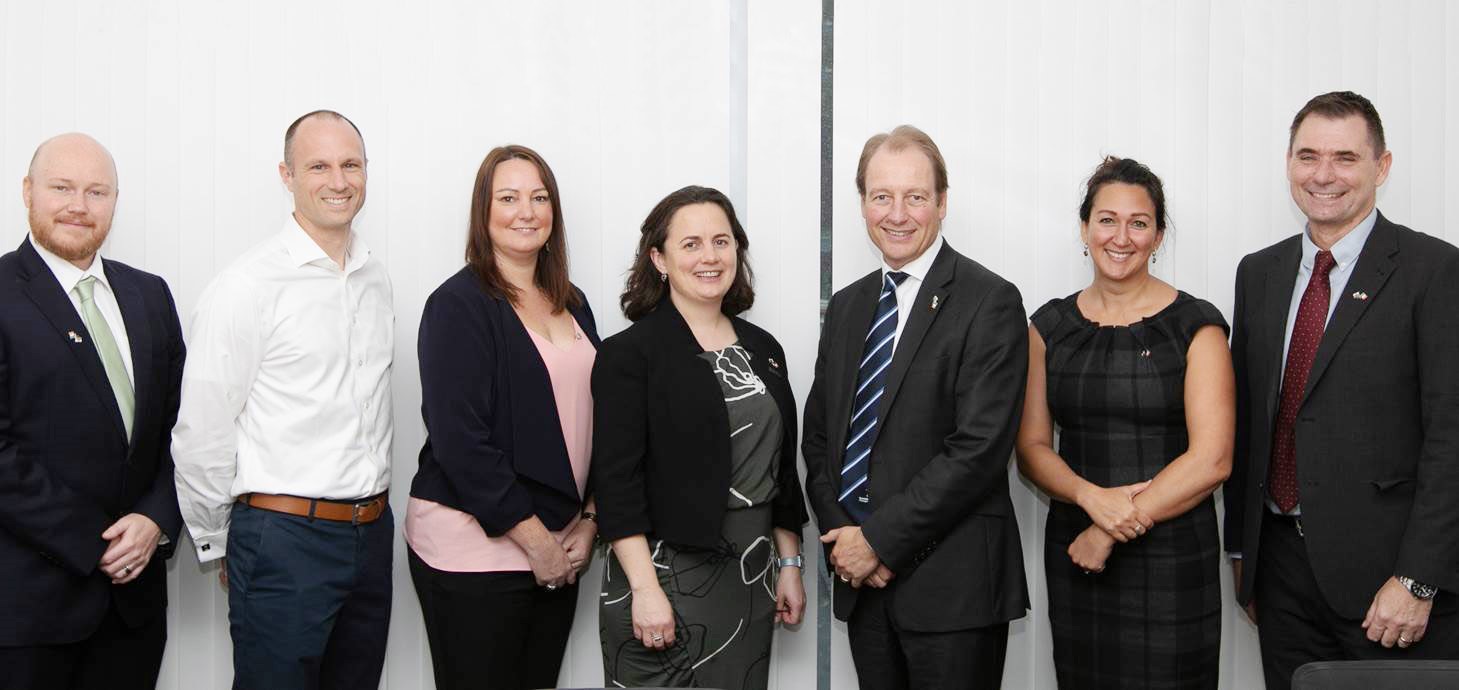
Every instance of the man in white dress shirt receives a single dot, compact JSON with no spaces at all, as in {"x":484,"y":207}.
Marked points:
{"x":283,"y":441}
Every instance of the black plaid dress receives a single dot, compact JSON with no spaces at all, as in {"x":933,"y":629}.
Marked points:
{"x":1152,"y":619}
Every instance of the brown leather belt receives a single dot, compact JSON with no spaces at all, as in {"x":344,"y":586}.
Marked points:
{"x":359,"y":512}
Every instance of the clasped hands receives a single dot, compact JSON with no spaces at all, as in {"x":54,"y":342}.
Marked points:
{"x":132,"y":540}
{"x":557,"y":564}
{"x":1116,"y":519}
{"x":854,"y":560}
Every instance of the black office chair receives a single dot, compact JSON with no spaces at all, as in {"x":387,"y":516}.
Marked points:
{"x":1377,"y":675}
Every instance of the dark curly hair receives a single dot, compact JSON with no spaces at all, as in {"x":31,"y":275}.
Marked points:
{"x":644,"y":288}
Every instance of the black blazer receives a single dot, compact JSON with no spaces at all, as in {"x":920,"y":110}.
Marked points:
{"x":1378,"y":430}
{"x":494,"y":444}
{"x":661,"y":443}
{"x":67,"y":471}
{"x":942,"y":519}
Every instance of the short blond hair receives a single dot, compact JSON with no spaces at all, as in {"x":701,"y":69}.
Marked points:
{"x":896,"y":140}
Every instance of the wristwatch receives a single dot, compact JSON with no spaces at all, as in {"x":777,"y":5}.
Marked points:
{"x":796,"y":561}
{"x":1419,"y":590}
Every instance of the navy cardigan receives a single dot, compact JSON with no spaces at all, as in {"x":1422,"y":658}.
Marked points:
{"x":494,"y":444}
{"x":661,"y":441}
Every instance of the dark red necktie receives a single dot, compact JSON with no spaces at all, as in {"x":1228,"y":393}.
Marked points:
{"x":1306,"y":334}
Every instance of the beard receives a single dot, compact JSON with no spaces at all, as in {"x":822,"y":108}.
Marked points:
{"x":69,"y":244}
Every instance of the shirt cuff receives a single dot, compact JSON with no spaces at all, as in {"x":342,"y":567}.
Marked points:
{"x":1235,"y":555}
{"x":211,"y":547}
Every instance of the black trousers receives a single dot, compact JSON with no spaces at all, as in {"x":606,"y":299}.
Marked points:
{"x":493,"y":631}
{"x":115,"y":657}
{"x":1295,"y":625}
{"x":889,"y":657}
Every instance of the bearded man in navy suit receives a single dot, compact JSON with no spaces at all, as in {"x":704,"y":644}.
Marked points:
{"x":91,"y":360}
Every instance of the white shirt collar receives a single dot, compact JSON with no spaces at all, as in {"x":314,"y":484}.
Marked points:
{"x":918,"y":267}
{"x":66,"y":272}
{"x":303,"y":250}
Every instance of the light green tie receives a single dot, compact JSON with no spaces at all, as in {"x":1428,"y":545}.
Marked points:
{"x":106,"y":346}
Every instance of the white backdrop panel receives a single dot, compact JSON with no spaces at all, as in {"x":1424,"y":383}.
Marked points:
{"x":1024,"y":99}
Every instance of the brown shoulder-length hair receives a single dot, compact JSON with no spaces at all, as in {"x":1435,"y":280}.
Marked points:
{"x":645,"y":287}
{"x":551,"y":260}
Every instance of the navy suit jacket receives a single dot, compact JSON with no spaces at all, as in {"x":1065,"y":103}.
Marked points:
{"x":494,"y":444}
{"x":67,"y":471}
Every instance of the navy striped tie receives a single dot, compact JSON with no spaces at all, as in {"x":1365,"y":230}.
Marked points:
{"x":871,"y":383}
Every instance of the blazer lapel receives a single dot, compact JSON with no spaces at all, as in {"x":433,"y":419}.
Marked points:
{"x":1281,"y":279}
{"x":41,"y":287}
{"x":139,"y":335}
{"x":925,"y":309}
{"x":1375,"y":265}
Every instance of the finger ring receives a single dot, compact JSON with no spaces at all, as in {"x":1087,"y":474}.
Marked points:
{"x":550,"y":587}
{"x":1139,"y":529}
{"x":1089,"y":572}
{"x":126,"y":570}
{"x":657,"y":637}
{"x":1404,"y":640}
{"x":845,"y":579}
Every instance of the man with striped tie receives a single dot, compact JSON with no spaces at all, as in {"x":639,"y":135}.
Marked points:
{"x":908,"y":431}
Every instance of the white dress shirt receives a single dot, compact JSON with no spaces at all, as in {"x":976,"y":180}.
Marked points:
{"x":286,"y":389}
{"x":106,"y":301}
{"x":916,"y":271}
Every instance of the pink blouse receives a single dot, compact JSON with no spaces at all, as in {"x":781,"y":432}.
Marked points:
{"x":451,"y":540}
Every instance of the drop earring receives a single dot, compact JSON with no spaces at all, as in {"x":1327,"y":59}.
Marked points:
{"x":663,"y":277}
{"x":1086,"y":250}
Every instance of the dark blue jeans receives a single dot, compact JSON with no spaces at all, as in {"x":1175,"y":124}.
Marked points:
{"x":308,"y":600}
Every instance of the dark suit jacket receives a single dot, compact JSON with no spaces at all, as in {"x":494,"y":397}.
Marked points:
{"x":661,"y":433}
{"x":494,"y":444}
{"x":942,"y":519}
{"x":67,"y":471}
{"x":1378,"y":430}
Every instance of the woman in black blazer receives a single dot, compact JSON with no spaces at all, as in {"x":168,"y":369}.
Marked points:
{"x":694,"y":463}
{"x":497,"y":525}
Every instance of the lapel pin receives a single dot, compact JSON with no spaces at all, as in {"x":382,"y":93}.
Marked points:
{"x":1360,"y":295}
{"x":74,"y":338}
{"x":1144,"y":353}
{"x":934,"y":303}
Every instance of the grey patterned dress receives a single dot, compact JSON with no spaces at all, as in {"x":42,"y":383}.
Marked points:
{"x":723,"y":598}
{"x":1152,"y":619}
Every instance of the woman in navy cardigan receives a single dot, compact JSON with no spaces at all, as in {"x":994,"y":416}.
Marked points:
{"x":498,"y":526}
{"x":694,"y":463}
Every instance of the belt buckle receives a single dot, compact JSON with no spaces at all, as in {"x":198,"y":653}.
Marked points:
{"x":355,"y":513}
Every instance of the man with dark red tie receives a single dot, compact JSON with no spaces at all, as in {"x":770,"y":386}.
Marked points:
{"x":1340,"y":513}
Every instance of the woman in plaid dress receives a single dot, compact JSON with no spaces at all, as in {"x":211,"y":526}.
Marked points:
{"x":1137,"y":377}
